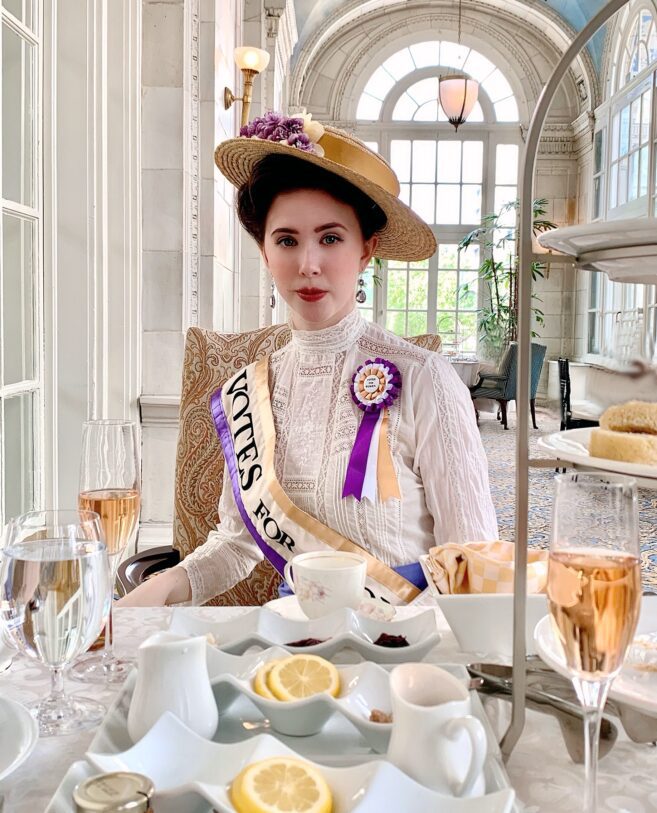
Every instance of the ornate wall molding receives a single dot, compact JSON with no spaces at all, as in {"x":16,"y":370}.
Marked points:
{"x":557,"y":140}
{"x":192,"y":163}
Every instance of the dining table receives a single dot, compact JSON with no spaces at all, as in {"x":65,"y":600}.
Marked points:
{"x":540,"y":770}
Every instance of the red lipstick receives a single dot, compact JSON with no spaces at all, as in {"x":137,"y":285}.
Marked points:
{"x":311,"y":294}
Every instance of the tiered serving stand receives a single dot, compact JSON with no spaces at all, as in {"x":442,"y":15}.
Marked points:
{"x":626,"y":250}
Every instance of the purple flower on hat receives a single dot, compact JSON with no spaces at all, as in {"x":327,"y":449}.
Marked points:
{"x":275,"y":127}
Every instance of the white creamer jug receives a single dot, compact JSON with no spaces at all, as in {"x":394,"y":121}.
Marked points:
{"x":172,"y":675}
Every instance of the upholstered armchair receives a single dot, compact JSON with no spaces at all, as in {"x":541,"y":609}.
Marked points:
{"x":210,"y":360}
{"x":501,"y":385}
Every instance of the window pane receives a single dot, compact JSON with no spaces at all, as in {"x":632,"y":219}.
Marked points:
{"x":594,"y":289}
{"x":635,"y":123}
{"x":423,"y":200}
{"x":373,"y":145}
{"x":424,"y":161}
{"x":397,"y":288}
{"x":633,"y":185}
{"x":504,"y":195}
{"x":17,"y":124}
{"x":447,"y":294}
{"x":473,"y":158}
{"x":645,"y":116}
{"x":400,"y":159}
{"x":447,"y":203}
{"x":506,"y":164}
{"x":613,"y":186}
{"x":417,"y":323}
{"x":425,"y":54}
{"x":448,"y":255}
{"x":449,"y":162}
{"x":452,"y":54}
{"x":622,"y":181}
{"x":468,"y":331}
{"x":427,"y":112}
{"x":19,"y":455}
{"x":506,"y":110}
{"x":614,"y":137}
{"x":471,"y":204}
{"x":405,"y":193}
{"x":643,"y":172}
{"x":418,"y":283}
{"x":597,"y":196}
{"x":399,"y":64}
{"x":18,"y":299}
{"x":497,"y":87}
{"x":470,"y":257}
{"x":478,"y":66}
{"x":368,"y":107}
{"x":468,"y":284}
{"x":404,"y":109}
{"x":624,"y":130}
{"x":446,"y":326}
{"x":380,"y":83}
{"x":425,"y":90}
{"x":594,"y":343}
{"x":396,"y":322}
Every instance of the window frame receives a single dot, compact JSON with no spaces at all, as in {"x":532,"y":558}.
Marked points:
{"x":34,"y":386}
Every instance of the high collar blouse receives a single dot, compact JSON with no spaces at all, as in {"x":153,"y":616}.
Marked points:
{"x":433,"y":437}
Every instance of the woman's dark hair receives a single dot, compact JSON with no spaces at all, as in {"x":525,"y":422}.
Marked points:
{"x":275,"y":174}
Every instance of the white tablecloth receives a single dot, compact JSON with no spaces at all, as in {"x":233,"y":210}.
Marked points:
{"x":540,"y":769}
{"x":467,"y":371}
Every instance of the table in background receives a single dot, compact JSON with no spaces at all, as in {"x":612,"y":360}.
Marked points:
{"x":467,"y":370}
{"x":540,"y":769}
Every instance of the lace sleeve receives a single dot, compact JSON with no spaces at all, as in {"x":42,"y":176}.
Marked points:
{"x":226,"y":557}
{"x":451,"y":457}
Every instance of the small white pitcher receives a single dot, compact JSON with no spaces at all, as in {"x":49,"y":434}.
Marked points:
{"x":435,"y":739}
{"x":172,"y":675}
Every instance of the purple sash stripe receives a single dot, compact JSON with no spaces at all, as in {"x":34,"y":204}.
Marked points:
{"x":223,"y":430}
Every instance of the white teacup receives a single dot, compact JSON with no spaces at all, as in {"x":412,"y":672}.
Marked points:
{"x":435,"y":739}
{"x":325,"y":581}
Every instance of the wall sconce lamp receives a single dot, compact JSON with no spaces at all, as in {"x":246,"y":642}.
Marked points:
{"x":250,"y":61}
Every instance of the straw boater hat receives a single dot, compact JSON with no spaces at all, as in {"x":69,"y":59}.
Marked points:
{"x":405,"y":236}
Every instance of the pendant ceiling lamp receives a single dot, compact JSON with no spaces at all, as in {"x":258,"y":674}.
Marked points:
{"x":457,"y":92}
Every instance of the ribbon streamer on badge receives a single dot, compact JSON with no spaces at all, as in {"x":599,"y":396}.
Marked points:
{"x":370,"y":472}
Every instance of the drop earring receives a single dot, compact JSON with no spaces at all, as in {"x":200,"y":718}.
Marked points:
{"x":361,"y":296}
{"x":272,"y":296}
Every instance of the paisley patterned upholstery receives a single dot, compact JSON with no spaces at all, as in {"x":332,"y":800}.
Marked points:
{"x":210,"y":360}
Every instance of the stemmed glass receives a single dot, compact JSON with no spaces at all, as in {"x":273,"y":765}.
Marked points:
{"x":109,"y":485}
{"x":594,"y":591}
{"x":54,"y":600}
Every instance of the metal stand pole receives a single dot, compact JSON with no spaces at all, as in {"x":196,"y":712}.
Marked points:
{"x":526,"y":197}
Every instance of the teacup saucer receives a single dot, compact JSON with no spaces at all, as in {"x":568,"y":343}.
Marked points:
{"x":288,"y":607}
{"x":19,"y":734}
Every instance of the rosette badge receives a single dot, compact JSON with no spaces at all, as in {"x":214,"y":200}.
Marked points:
{"x":370,"y":472}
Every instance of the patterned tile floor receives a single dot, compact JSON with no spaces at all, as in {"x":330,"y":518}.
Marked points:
{"x":500,"y":448}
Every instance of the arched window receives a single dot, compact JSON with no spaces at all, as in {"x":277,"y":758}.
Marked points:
{"x":451,"y":179}
{"x":639,"y":48}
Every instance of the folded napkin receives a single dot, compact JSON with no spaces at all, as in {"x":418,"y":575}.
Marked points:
{"x":484,"y":567}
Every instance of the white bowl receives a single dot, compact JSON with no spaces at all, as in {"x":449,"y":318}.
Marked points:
{"x":482,"y":623}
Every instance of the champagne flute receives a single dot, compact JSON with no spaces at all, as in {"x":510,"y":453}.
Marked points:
{"x":594,"y":592}
{"x":55,"y":598}
{"x":109,"y":485}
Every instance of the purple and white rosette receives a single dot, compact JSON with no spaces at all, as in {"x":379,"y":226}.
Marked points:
{"x":375,"y":386}
{"x":294,"y":131}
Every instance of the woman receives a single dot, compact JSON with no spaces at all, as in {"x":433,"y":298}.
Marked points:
{"x":349,"y":437}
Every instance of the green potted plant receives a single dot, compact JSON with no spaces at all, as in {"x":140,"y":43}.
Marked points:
{"x":498,"y":273}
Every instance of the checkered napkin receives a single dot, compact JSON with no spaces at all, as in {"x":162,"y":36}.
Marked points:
{"x":484,"y":567}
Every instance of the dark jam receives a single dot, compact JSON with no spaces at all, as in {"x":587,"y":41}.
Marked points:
{"x":392,"y":641}
{"x":306,"y":642}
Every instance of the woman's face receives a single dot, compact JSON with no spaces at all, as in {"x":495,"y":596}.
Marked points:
{"x":314,"y":249}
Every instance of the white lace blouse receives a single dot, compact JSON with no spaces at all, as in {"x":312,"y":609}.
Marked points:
{"x":436,"y":450}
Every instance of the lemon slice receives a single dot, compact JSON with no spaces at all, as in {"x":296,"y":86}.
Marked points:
{"x":281,"y":785}
{"x":302,"y":676}
{"x":260,"y":681}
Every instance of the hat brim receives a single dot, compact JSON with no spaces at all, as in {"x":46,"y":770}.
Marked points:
{"x":405,"y":237}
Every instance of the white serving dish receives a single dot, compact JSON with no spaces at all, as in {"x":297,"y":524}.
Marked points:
{"x":19,"y":734}
{"x":364,"y":687}
{"x":345,"y":628}
{"x":572,"y":446}
{"x":624,"y":250}
{"x":482,"y":623}
{"x":633,"y":686}
{"x":338,"y":744}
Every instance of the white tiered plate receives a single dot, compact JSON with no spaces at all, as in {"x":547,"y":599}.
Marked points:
{"x":634,"y":686}
{"x":344,"y":628}
{"x":191,"y":775}
{"x":572,"y":446}
{"x":625,"y":250}
{"x":19,"y":734}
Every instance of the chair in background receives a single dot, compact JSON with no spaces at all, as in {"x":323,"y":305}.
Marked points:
{"x":210,"y":360}
{"x":567,"y":420}
{"x":501,"y":386}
